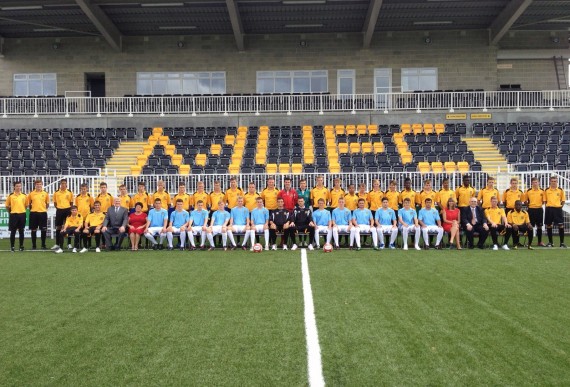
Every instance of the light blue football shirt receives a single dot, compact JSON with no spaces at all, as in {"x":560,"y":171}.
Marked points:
{"x":362,"y":216}
{"x":260,"y":216}
{"x":198,"y":217}
{"x":385,"y":217}
{"x":429,"y":217}
{"x":341,"y":217}
{"x":321,"y":217}
{"x":179,"y":218}
{"x":157,"y":218}
{"x":408,"y":215}
{"x":240,"y":215}
{"x":220,"y":217}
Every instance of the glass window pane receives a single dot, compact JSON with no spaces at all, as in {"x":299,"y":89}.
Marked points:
{"x":49,"y":76}
{"x":265,"y":85}
{"x":50,"y":87}
{"x":143,"y":75}
{"x":189,"y":86}
{"x":218,"y":86}
{"x":318,"y":85}
{"x":219,"y":75}
{"x":204,"y":86}
{"x":174,"y":86}
{"x":158,"y":87}
{"x":144,"y":86}
{"x":264,"y":74}
{"x":20,"y":88}
{"x":35,"y":87}
{"x":345,"y":86}
{"x":283,"y":74}
{"x":20,"y":76}
{"x":302,"y":74}
{"x":301,"y":85}
{"x":320,"y":73}
{"x":282,"y":85}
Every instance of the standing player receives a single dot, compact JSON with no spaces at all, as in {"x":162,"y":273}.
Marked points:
{"x":141,"y":197}
{"x":430,"y":222}
{"x":336,"y":193}
{"x":363,"y":222}
{"x":162,"y":194}
{"x":319,"y":192}
{"x":279,"y":222}
{"x":362,"y":194}
{"x":323,"y":223}
{"x":444,"y":194}
{"x":408,"y":219}
{"x":200,"y":196}
{"x":250,"y":198}
{"x":62,"y":200}
{"x":303,"y":192}
{"x":351,"y":198}
{"x":84,"y":201}
{"x":289,"y":195}
{"x":16,"y":207}
{"x":259,"y":223}
{"x":375,"y":196}
{"x":182,"y":195}
{"x":124,"y":197}
{"x":512,"y":195}
{"x":216,"y":196}
{"x":156,"y":223}
{"x":92,"y":227}
{"x":302,"y":221}
{"x":239,"y":222}
{"x":534,"y":198}
{"x":393,"y":195}
{"x":342,"y":222}
{"x":386,"y":224}
{"x":520,"y":222}
{"x":72,"y":226}
{"x":555,"y":199}
{"x":38,"y":202}
{"x":178,"y":221}
{"x":426,"y":192}
{"x":497,"y":220}
{"x":464,"y":193}
{"x":198,"y":224}
{"x":269,"y":195}
{"x":232,"y":194}
{"x":407,"y":192}
{"x":104,"y":197}
{"x":487,"y":193}
{"x":219,"y":225}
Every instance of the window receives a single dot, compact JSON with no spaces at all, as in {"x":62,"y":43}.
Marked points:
{"x":419,"y":79}
{"x":312,"y":81}
{"x":26,"y":85}
{"x":181,"y":83}
{"x":345,"y":82}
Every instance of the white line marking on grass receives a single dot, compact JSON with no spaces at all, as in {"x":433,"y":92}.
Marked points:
{"x":314,"y":364}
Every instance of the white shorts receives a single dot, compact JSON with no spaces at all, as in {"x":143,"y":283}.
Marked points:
{"x":434,"y":229}
{"x":411,"y":228}
{"x":239,"y":229}
{"x":196,"y":230}
{"x":175,"y":230}
{"x":153,"y":230}
{"x":322,"y":229}
{"x":258,"y":228}
{"x":364,"y":228}
{"x":216,"y":230}
{"x":385,"y":229}
{"x":343,"y":228}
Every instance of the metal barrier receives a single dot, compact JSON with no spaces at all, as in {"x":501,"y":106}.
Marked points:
{"x":285,"y":103}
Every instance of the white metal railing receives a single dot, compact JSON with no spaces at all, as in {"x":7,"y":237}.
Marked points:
{"x":287,"y":103}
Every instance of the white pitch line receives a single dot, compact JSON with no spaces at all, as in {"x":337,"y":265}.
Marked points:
{"x":314,"y":364}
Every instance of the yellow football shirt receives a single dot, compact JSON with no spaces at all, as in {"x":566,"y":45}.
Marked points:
{"x":411,"y":194}
{"x":443,"y":196}
{"x":375,"y":199}
{"x":17,"y":203}
{"x":203,"y":196}
{"x":84,"y":204}
{"x":351,"y":201}
{"x":485,"y":196}
{"x":554,"y":197}
{"x":232,"y":196}
{"x":143,"y":198}
{"x":320,"y":193}
{"x":393,"y":199}
{"x":62,"y":199}
{"x":186,"y":199}
{"x":249,"y":200}
{"x":94,"y":220}
{"x":495,"y":215}
{"x":106,"y":201}
{"x":365,"y":197}
{"x":215,"y":198}
{"x":125,"y":201}
{"x":73,"y":221}
{"x":38,"y":200}
{"x":423,"y":195}
{"x":164,"y":197}
{"x":510,"y":197}
{"x":518,"y":218}
{"x":334,"y":195}
{"x":535,"y":197}
{"x":463,"y":195}
{"x":270,"y":198}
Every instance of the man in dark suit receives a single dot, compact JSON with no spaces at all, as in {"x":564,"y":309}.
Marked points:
{"x":115,"y":223}
{"x":473,"y":220}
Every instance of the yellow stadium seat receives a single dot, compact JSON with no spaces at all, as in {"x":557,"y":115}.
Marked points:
{"x":152,"y":141}
{"x":163,"y":140}
{"x":271,"y":168}
{"x":402,"y":147}
{"x":230,"y":139}
{"x":428,"y":129}
{"x":329,"y":128}
{"x":406,"y":157}
{"x":284,"y":169}
{"x":170,"y":149}
{"x":297,"y":169}
{"x":334,"y":168}
{"x":147,"y":149}
{"x":463,"y":166}
{"x":350,"y":129}
{"x":307,"y":128}
{"x":439,"y":129}
{"x":233,"y":169}
{"x":343,"y":147}
{"x":184,"y":169}
{"x":176,"y":159}
{"x":157,"y":132}
{"x":417,"y":129}
{"x":215,"y":149}
{"x":309,"y":159}
{"x":406,"y":128}
{"x":373,"y":129}
{"x":378,"y":147}
{"x":135,"y":170}
{"x":424,"y":167}
{"x":361,"y":129}
{"x":450,"y":167}
{"x":242,"y":129}
{"x":339,"y":129}
{"x":141,"y":160}
{"x":261,"y":159}
{"x":366,"y":147}
{"x":437,"y":167}
{"x":398,"y":137}
{"x":200,"y":160}
{"x":355,"y":147}
{"x":264,"y":128}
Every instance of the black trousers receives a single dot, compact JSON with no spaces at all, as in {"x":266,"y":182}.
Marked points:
{"x":477,"y":228}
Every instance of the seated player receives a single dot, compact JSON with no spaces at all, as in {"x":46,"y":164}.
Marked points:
{"x":259,"y":222}
{"x":137,"y":225}
{"x":363,"y":222}
{"x":239,"y":223}
{"x":157,"y":222}
{"x":430,"y":222}
{"x":72,"y":227}
{"x":92,"y":227}
{"x":342,"y":222}
{"x":219,"y":225}
{"x":198,"y":224}
{"x":178,"y":224}
{"x":323,"y":224}
{"x":386,"y":224}
{"x":279,"y":222}
{"x":497,"y":221}
{"x":408,"y":219}
{"x":520,"y":222}
{"x":302,"y":222}
{"x":473,"y":220}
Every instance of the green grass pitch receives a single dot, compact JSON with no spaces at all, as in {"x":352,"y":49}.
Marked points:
{"x":236,"y":318}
